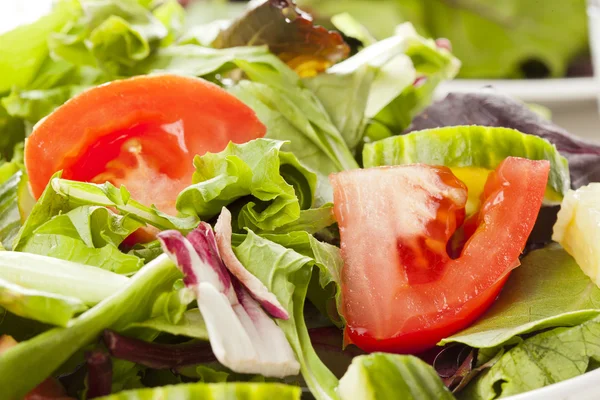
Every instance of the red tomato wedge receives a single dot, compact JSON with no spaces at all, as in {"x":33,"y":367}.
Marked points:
{"x":141,"y":132}
{"x":401,"y":291}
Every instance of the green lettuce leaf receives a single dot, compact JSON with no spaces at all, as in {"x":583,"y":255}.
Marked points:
{"x":15,"y":204}
{"x":324,"y":290}
{"x":190,"y":59}
{"x":191,"y":325}
{"x":395,"y":97}
{"x":89,"y":284}
{"x":468,"y":146}
{"x":215,"y":391}
{"x":287,"y":274}
{"x":41,"y":306}
{"x":111,"y":35}
{"x":255,"y":173}
{"x":548,"y":290}
{"x":391,"y":376}
{"x":295,"y":115}
{"x":30,"y":362}
{"x":546,"y":358}
{"x":24,"y":49}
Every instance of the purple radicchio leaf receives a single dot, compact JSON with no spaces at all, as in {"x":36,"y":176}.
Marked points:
{"x":256,"y":288}
{"x":242,"y":336}
{"x":155,"y":355}
{"x":491,"y":109}
{"x":99,"y":377}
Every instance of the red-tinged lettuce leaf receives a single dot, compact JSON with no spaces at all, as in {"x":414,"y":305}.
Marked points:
{"x":290,"y":34}
{"x":491,"y":109}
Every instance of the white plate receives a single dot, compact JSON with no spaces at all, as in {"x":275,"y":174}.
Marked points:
{"x":543,"y":91}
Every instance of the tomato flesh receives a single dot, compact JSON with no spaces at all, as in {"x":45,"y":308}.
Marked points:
{"x":401,"y":290}
{"x":141,"y":132}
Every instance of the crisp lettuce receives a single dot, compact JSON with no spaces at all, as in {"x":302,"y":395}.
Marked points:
{"x":546,"y":358}
{"x":253,"y":176}
{"x":286,"y":274}
{"x":41,"y":306}
{"x":547,"y":290}
{"x":391,"y":376}
{"x":32,"y":361}
{"x":216,"y":391}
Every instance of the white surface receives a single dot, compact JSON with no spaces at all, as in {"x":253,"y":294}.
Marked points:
{"x":543,"y":91}
{"x":16,"y":12}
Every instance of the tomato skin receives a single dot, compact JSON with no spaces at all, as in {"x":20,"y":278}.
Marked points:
{"x":404,"y":298}
{"x":142,"y":132}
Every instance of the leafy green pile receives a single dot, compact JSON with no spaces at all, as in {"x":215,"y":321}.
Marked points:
{"x":69,"y":284}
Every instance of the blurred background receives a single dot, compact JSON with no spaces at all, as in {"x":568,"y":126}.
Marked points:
{"x":536,"y":50}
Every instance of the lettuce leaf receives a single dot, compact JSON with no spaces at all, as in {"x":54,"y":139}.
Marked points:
{"x":45,"y":307}
{"x":32,"y":361}
{"x":289,"y":33}
{"x":548,"y":290}
{"x":255,"y":174}
{"x":287,"y":273}
{"x":216,"y":391}
{"x":89,"y":284}
{"x":190,"y":325}
{"x":295,"y":115}
{"x":391,"y":376}
{"x":496,"y":110}
{"x":15,"y":201}
{"x":546,"y":358}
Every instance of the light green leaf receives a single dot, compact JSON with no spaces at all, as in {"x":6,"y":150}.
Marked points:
{"x":30,"y":362}
{"x":344,"y":96}
{"x":349,"y":26}
{"x":286,"y":274}
{"x":468,"y":146}
{"x":190,"y":59}
{"x":112,"y":35}
{"x":73,"y":194}
{"x":24,"y":49}
{"x":41,"y":306}
{"x":89,"y":284}
{"x":191,"y":325}
{"x":311,"y":221}
{"x":296,"y":115}
{"x":546,"y":358}
{"x":213,"y":391}
{"x":392,"y":376}
{"x":14,"y":198}
{"x":548,"y":290}
{"x":255,"y":171}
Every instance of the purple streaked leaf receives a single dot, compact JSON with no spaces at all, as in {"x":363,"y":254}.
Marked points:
{"x":193,"y":265}
{"x":203,"y":240}
{"x":99,"y":377}
{"x":155,"y":355}
{"x":256,"y":288}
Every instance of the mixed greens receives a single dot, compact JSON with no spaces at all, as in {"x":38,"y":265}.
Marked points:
{"x":238,"y":287}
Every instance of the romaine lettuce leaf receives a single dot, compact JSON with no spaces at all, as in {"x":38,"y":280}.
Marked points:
{"x":392,"y":376}
{"x":45,"y":307}
{"x":287,"y":273}
{"x":294,"y":114}
{"x":546,"y":358}
{"x":14,"y":203}
{"x":32,"y":361}
{"x":191,"y":325}
{"x":215,"y":391}
{"x":89,"y":284}
{"x":255,"y":174}
{"x":490,"y":109}
{"x":548,"y":290}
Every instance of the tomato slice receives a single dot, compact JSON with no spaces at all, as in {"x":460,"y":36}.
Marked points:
{"x":401,"y":290}
{"x":141,"y":132}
